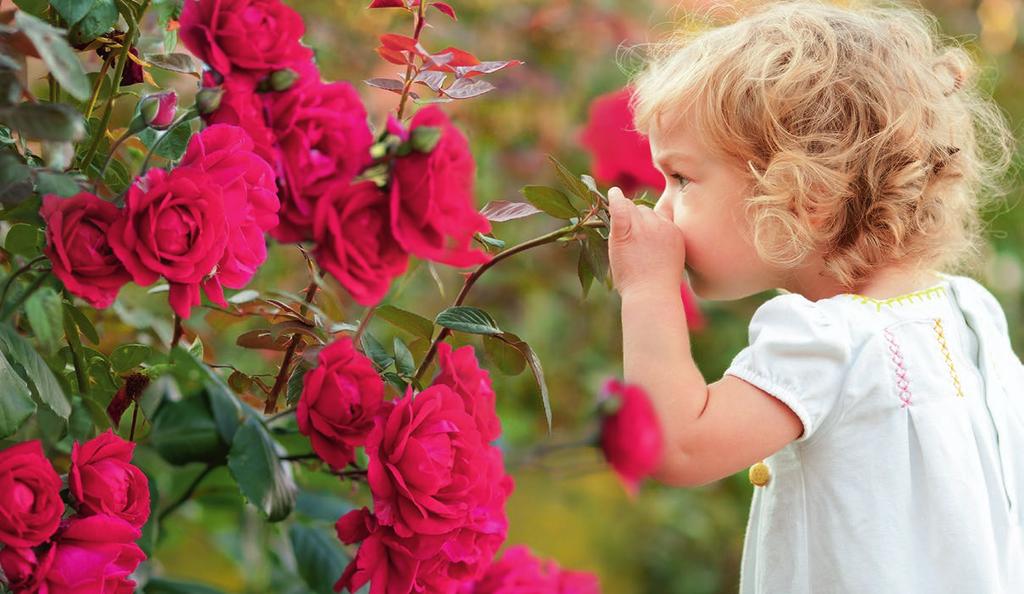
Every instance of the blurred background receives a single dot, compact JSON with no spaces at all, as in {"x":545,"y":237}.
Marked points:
{"x":685,"y":541}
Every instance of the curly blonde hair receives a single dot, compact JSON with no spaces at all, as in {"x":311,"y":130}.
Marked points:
{"x":864,"y":133}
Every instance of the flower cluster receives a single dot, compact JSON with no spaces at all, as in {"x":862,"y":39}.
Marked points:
{"x":438,"y":484}
{"x":519,"y":571}
{"x":317,"y":139}
{"x":94,"y":549}
{"x":200,"y":225}
{"x":631,"y":434}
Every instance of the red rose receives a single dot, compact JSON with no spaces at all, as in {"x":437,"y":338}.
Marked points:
{"x":104,"y":481}
{"x":631,"y":436}
{"x":519,"y":572}
{"x":241,"y":105}
{"x":621,"y":155}
{"x":174,"y":226}
{"x":694,"y":317}
{"x":340,"y":398}
{"x":225,"y":153}
{"x":158,"y":109}
{"x":23,"y":569}
{"x":460,"y":371}
{"x":389,"y":569}
{"x":433,"y":215}
{"x":94,"y":554}
{"x":323,"y":139}
{"x":354,"y":242}
{"x":253,"y":35}
{"x":425,"y":460}
{"x":76,"y":244}
{"x":30,"y":503}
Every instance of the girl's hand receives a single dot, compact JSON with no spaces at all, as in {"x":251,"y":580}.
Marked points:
{"x":645,"y":249}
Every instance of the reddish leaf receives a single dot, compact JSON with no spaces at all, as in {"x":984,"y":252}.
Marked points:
{"x":438,"y":62}
{"x":387,"y":4}
{"x":506,"y":210}
{"x":484,"y":68}
{"x":448,"y":10}
{"x":398,"y":42}
{"x":395,"y":57}
{"x":432,"y":79}
{"x":464,"y":88}
{"x":388,"y":84}
{"x":461,"y":57}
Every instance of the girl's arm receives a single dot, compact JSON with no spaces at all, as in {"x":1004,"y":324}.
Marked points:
{"x":711,"y":431}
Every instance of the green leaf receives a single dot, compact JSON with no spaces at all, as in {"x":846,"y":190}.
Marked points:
{"x":404,"y":362}
{"x":376,"y":351}
{"x":166,"y":586}
{"x":36,"y":8}
{"x":98,"y":20}
{"x":172,"y":148}
{"x":196,"y":349}
{"x":508,"y":359}
{"x":45,"y":121}
{"x":24,"y":240}
{"x":72,"y":10}
{"x":538,"y":372}
{"x":263,"y":478}
{"x":83,"y":323}
{"x":44,"y":384}
{"x":468,"y":319}
{"x":45,"y":315}
{"x":406,"y":320}
{"x":320,"y":558}
{"x":52,"y":182}
{"x":129,"y":356}
{"x":185,"y":431}
{"x":16,"y":403}
{"x":15,"y":179}
{"x":583,"y":271}
{"x":572,"y":182}
{"x":295,"y":383}
{"x":595,"y":248}
{"x":183,"y":63}
{"x":55,"y":51}
{"x":550,"y":200}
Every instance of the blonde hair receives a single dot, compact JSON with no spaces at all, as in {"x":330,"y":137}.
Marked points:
{"x":865,"y":137}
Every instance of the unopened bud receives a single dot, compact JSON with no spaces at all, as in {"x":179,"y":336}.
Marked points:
{"x":158,"y":109}
{"x":208,"y":99}
{"x":424,"y":138}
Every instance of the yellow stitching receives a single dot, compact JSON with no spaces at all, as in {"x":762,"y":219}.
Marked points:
{"x":901,"y":299}
{"x":941,"y":337}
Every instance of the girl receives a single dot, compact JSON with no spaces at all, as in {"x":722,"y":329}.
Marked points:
{"x":841,"y":155}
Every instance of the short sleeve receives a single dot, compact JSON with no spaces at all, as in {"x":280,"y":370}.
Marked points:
{"x":799,"y":353}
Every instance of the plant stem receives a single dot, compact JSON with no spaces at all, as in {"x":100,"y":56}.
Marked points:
{"x":122,"y":59}
{"x":363,"y":325}
{"x":179,"y":331}
{"x":187,"y":494}
{"x":282,"y":375}
{"x":282,"y":414}
{"x":472,"y":278}
{"x":113,"y":150}
{"x":71,"y":333}
{"x":38,"y":282}
{"x":409,"y":68}
{"x":135,"y":416}
{"x":99,"y":84}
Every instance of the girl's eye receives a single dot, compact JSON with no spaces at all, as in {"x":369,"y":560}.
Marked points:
{"x":679,"y":178}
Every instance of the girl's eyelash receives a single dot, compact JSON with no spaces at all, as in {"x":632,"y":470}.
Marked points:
{"x":679,"y":178}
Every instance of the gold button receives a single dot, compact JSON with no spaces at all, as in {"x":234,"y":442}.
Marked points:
{"x":759,"y":474}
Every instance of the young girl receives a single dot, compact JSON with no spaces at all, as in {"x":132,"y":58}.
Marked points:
{"x":841,"y":155}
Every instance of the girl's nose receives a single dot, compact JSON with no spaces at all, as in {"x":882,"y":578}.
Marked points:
{"x":664,"y":206}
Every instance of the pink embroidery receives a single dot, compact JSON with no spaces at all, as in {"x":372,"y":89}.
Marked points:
{"x":902,"y":381}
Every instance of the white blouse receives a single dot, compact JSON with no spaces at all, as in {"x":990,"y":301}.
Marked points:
{"x":909,"y":473}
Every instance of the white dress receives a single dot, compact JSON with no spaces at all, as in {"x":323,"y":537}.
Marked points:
{"x":909,"y":473}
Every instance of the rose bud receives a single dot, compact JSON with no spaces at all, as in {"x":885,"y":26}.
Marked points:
{"x":208,"y":99}
{"x":631,"y":436}
{"x":158,"y":109}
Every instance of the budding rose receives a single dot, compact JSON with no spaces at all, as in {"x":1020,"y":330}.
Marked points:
{"x":158,"y":109}
{"x":631,"y":436}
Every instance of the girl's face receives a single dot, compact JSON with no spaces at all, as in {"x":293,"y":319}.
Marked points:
{"x":704,"y":197}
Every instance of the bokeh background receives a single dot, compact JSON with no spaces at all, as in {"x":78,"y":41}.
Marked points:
{"x":572,"y":509}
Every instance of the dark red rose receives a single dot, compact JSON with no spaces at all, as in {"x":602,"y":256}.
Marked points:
{"x":94,"y":554}
{"x":24,"y":569}
{"x":621,"y":155}
{"x":30,"y":503}
{"x":340,"y":397}
{"x":173,"y":226}
{"x":104,"y":481}
{"x":77,"y":245}
{"x":225,"y":153}
{"x":433,"y":215}
{"x":248,"y":35}
{"x":460,"y":370}
{"x":631,"y":436}
{"x":354,"y":242}
{"x":323,"y":138}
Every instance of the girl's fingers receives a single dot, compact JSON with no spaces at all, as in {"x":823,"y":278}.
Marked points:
{"x":620,"y":209}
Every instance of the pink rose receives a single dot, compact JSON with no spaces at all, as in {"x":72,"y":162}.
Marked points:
{"x":104,"y":481}
{"x":241,"y":105}
{"x":340,"y":397}
{"x":253,"y":35}
{"x":621,"y":155}
{"x":77,"y":245}
{"x":631,"y":437}
{"x":30,"y":503}
{"x":158,"y":109}
{"x":174,"y":226}
{"x":460,"y":370}
{"x":23,"y":569}
{"x":323,"y":138}
{"x":94,"y":554}
{"x":354,"y":242}
{"x":225,"y":153}
{"x":381,"y":559}
{"x":520,"y":572}
{"x":425,"y":460}
{"x":433,"y":215}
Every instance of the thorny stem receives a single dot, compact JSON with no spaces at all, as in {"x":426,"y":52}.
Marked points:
{"x":282,"y":375}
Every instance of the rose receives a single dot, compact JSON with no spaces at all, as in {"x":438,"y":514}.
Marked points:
{"x":225,"y":153}
{"x":78,"y":247}
{"x":621,"y":156}
{"x":425,"y":457}
{"x":30,"y":503}
{"x":432,"y":214}
{"x":694,"y":318}
{"x":104,"y":481}
{"x":94,"y":554}
{"x":158,"y":109}
{"x":240,"y":105}
{"x":22,"y":568}
{"x":173,"y":226}
{"x":340,"y":397}
{"x":631,"y":436}
{"x":251,"y":35}
{"x":324,"y":139}
{"x":354,"y":242}
{"x":460,"y":371}
{"x":519,"y":571}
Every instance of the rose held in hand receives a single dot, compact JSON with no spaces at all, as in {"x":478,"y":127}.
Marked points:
{"x":645,"y":249}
